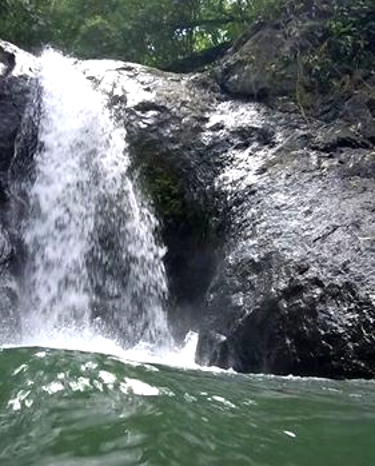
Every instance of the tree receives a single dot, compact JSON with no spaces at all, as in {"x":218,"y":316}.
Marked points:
{"x":154,"y":32}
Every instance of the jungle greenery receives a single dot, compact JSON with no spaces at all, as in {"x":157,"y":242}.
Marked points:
{"x":160,"y":32}
{"x":153,"y":32}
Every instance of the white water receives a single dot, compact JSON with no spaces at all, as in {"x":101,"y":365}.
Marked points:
{"x":142,"y":353}
{"x":94,"y":270}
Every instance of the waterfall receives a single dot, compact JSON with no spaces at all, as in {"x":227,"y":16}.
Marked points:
{"x":92,"y":261}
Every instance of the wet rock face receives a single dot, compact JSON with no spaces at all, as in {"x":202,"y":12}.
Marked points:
{"x":16,"y":75}
{"x":263,"y":66}
{"x":268,"y":220}
{"x":294,"y":293}
{"x":13,"y":98}
{"x":9,"y":320}
{"x":288,"y":288}
{"x":164,"y":115}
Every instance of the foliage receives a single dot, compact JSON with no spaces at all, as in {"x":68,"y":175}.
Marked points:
{"x":24,"y":22}
{"x":346,"y":45}
{"x":159,"y":32}
{"x":154,"y":32}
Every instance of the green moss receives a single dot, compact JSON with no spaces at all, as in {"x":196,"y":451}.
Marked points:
{"x":166,"y":190}
{"x":179,"y":214}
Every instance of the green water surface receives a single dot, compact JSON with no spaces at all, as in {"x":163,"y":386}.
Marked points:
{"x":68,"y":408}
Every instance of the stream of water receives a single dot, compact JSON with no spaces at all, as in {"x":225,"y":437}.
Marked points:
{"x":88,"y":233}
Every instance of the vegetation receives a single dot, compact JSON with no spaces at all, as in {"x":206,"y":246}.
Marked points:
{"x":345,"y":44}
{"x":153,"y":32}
{"x":163,"y":32}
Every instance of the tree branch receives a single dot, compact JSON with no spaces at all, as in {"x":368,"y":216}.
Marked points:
{"x":210,"y":22}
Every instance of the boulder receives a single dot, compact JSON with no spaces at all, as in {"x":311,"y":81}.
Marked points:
{"x":268,"y":222}
{"x":265,"y":65}
{"x":294,"y":291}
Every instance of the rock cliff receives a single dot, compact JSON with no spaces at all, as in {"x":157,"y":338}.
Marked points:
{"x":267,"y":213}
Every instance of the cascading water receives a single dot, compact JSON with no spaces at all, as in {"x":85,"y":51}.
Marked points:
{"x":89,"y":237}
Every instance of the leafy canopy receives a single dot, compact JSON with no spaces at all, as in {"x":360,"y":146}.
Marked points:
{"x":154,"y":32}
{"x":161,"y":32}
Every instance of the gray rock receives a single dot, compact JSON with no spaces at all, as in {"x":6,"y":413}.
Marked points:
{"x":164,"y":114}
{"x":9,"y":319}
{"x":17,"y":70}
{"x":264,"y":65}
{"x":287,"y":286}
{"x":294,"y":292}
